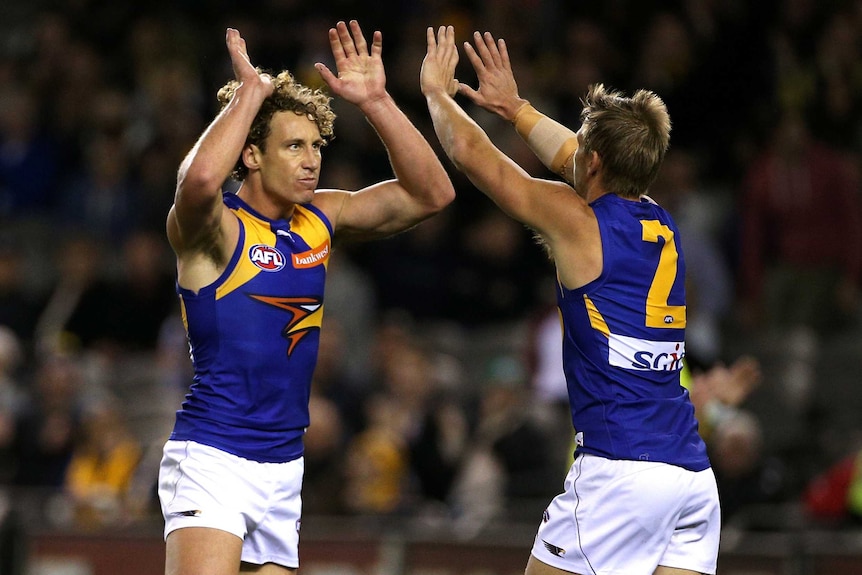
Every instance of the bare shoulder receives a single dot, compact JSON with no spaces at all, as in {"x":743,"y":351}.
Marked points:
{"x":571,"y":232}
{"x":330,"y":202}
{"x":560,"y":212}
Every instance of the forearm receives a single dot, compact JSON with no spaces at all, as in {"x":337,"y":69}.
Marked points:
{"x":553,"y":143}
{"x":475,"y":155}
{"x":457,"y":132}
{"x":414,"y":163}
{"x":213,"y":157}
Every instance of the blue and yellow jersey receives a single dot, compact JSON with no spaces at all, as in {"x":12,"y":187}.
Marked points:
{"x":624,"y":342}
{"x":254,"y":337}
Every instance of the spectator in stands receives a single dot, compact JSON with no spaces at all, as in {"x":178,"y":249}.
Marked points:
{"x":801,"y":234}
{"x":432,"y":426}
{"x":103,"y":463}
{"x":74,"y":289}
{"x":492,"y":280}
{"x":833,"y":497}
{"x":324,"y":481}
{"x":510,"y":459}
{"x":49,"y":423}
{"x":92,"y":309}
{"x":376,"y":461}
{"x":29,"y":156}
{"x":20,"y":304}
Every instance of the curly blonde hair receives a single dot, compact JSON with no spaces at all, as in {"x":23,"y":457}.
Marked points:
{"x":288,"y":95}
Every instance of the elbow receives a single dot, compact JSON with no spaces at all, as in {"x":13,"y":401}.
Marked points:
{"x":444,"y":195}
{"x":458,"y":150}
{"x":198,"y":178}
{"x":435,"y":191}
{"x":436,"y":199}
{"x":465,"y":150}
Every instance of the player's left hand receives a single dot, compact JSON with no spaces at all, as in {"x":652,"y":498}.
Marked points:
{"x":498,"y":91}
{"x":361,"y":78}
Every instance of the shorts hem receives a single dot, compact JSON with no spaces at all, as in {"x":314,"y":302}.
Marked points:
{"x":705,"y":569}
{"x":559,"y":563}
{"x":280,"y":561}
{"x":174,"y":527}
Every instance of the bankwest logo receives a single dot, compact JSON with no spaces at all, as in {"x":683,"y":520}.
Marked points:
{"x":645,"y":355}
{"x":312,"y":257}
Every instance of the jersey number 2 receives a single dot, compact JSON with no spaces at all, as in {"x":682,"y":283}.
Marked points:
{"x":658,"y":312}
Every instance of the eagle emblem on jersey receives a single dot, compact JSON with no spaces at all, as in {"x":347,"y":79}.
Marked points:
{"x":304,"y":316}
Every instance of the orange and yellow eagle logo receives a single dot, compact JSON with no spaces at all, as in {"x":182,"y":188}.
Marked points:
{"x":305,"y":316}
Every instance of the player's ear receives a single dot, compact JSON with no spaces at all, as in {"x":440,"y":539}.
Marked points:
{"x":594,"y":163}
{"x":251,"y":157}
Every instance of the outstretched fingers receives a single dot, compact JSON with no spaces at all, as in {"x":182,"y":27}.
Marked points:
{"x":446,"y":40}
{"x":504,"y":54}
{"x":441,"y":59}
{"x":335,"y":45}
{"x":347,"y":40}
{"x":487,"y":49}
{"x":376,"y":44}
{"x":356,"y":44}
{"x":430,"y":39}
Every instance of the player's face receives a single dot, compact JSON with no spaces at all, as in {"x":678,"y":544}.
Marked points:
{"x":290,"y":166}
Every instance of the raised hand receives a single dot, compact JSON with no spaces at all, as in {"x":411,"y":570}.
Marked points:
{"x":732,"y":385}
{"x":361,"y":78}
{"x":498,"y":91}
{"x":243,"y":69}
{"x":438,"y":67}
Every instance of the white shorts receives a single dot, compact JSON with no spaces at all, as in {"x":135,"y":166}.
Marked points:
{"x":201,"y":486}
{"x":628,"y":517}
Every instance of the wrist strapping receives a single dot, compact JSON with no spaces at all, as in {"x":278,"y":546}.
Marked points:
{"x":552,"y":142}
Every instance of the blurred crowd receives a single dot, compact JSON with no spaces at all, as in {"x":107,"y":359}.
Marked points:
{"x":439,"y":393}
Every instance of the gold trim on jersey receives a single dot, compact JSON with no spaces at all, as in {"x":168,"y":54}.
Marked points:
{"x":596,"y":320}
{"x":304,"y":223}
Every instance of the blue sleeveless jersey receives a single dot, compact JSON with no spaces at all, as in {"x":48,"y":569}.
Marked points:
{"x":254,"y":337}
{"x":624,"y":342}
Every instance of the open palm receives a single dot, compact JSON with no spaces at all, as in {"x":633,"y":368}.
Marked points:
{"x":361,"y":77}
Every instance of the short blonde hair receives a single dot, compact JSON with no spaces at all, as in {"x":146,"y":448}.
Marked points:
{"x":631,"y":135}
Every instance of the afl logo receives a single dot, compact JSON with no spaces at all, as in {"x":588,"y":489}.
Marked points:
{"x":267,"y":258}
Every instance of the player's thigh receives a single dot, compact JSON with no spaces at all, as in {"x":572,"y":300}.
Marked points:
{"x":266,"y":569}
{"x":662,"y":570}
{"x":202,"y":551}
{"x":536,"y":567}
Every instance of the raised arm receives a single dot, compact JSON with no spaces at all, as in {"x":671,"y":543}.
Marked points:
{"x":552,"y":208}
{"x":421,"y":186}
{"x":195,"y":218}
{"x":553,"y":143}
{"x":467,"y":144}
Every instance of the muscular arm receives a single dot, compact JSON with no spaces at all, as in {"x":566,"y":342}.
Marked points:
{"x":551,"y":208}
{"x":195,"y":224}
{"x":421,"y":186}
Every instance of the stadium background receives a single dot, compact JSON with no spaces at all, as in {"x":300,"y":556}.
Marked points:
{"x":434,"y":331}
